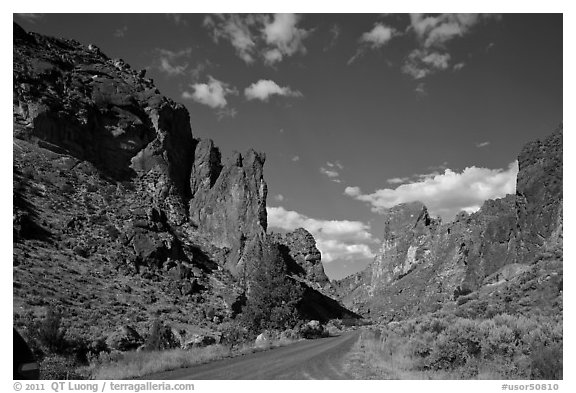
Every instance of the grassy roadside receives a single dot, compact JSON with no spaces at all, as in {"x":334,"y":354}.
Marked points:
{"x":139,"y":364}
{"x":367,"y":361}
{"x":448,"y":347}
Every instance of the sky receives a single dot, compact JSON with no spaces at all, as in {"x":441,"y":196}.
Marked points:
{"x":355,"y":112}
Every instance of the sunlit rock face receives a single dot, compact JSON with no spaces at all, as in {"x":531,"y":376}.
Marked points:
{"x":422,"y":264}
{"x":229,"y":200}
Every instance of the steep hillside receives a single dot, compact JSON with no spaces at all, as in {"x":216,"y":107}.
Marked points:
{"x":510,"y":249}
{"x":120,"y":215}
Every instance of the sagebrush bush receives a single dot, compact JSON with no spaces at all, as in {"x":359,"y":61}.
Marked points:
{"x":161,"y":337}
{"x":233,"y":334}
{"x":50,"y":332}
{"x":59,"y":367}
{"x":505,"y":346}
{"x":546,"y":362}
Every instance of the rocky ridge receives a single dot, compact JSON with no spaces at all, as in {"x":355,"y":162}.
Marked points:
{"x":120,"y":215}
{"x":424,"y":265}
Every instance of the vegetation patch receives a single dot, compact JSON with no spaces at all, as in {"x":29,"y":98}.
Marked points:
{"x":443,"y":346}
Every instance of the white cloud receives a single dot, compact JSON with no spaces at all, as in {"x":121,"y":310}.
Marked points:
{"x":121,"y":32}
{"x":331,"y":170}
{"x":433,"y":33}
{"x":272,"y":56}
{"x":31,"y":18}
{"x":223,"y":113}
{"x":458,"y":66}
{"x":212,"y":93}
{"x":446,"y":194}
{"x":331,"y":173}
{"x":335,"y":164}
{"x":335,"y":32}
{"x":177,"y":19}
{"x":421,"y":63}
{"x":284,"y":36}
{"x":398,"y":180}
{"x":264,"y":89}
{"x":236,"y":30}
{"x":336,"y":239}
{"x":172,"y":63}
{"x":379,"y":36}
{"x":270,"y":37}
{"x":376,"y":38}
{"x":436,"y":31}
{"x":170,"y":69}
{"x":170,"y":54}
{"x":421,"y":90}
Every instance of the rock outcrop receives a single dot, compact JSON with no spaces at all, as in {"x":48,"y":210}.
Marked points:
{"x":119,"y":214}
{"x":229,"y":201}
{"x":301,"y":255}
{"x":424,"y":264}
{"x":74,"y":100}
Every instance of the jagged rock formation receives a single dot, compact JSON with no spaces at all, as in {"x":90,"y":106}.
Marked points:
{"x":424,"y":264}
{"x":539,"y":195}
{"x":121,"y":216}
{"x":229,"y":201}
{"x":304,"y":259}
{"x":74,"y":100}
{"x":304,"y":263}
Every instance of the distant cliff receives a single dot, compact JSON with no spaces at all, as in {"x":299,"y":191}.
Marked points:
{"x":423,"y":264}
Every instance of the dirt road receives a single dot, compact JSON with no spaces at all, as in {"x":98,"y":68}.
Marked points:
{"x":311,"y":359}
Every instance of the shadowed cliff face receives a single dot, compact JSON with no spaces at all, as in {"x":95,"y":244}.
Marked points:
{"x":119,"y":214}
{"x":74,"y":100}
{"x":423,"y":264}
{"x":304,"y":259}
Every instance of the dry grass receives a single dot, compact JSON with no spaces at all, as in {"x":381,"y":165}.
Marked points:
{"x":372,"y":358}
{"x":139,"y":364}
{"x":504,"y":347}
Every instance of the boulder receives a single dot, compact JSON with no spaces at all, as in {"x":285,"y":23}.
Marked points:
{"x":312,"y":329}
{"x":125,"y":338}
{"x":199,"y":341}
{"x":263,"y":340}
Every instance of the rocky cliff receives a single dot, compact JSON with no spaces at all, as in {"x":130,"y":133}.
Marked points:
{"x":120,"y":215}
{"x":423,"y":264}
{"x":74,"y":100}
{"x":304,"y":259}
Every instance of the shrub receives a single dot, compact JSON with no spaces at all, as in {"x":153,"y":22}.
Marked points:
{"x":456,"y":345}
{"x":498,"y":340}
{"x":161,"y":337}
{"x":50,"y":333}
{"x":546,"y":362}
{"x":461,"y":292}
{"x":59,"y":367}
{"x":272,"y":296}
{"x":233,"y":334}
